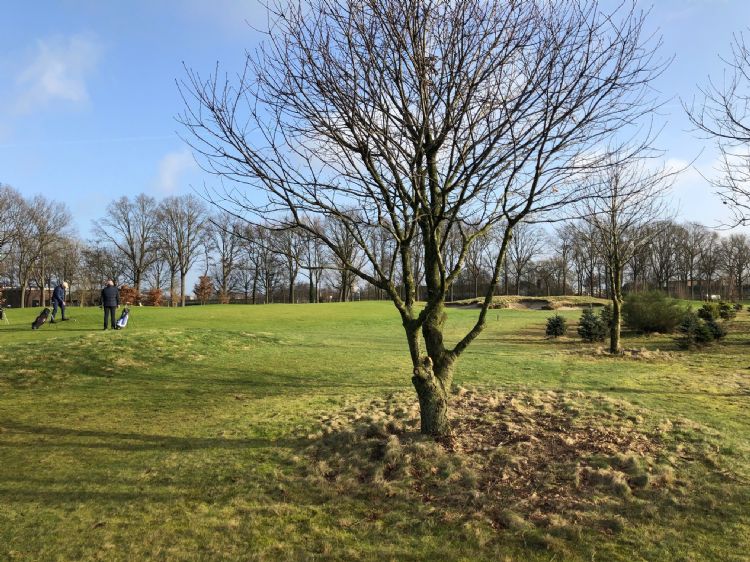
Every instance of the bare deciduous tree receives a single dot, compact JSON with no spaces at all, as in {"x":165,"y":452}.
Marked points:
{"x":131,"y":227}
{"x":223,"y":235}
{"x":723,"y":114}
{"x":620,"y":217}
{"x":526,"y":244}
{"x":41,"y":224}
{"x":289,"y":245}
{"x":735,"y":257}
{"x":11,"y":209}
{"x":427,"y":117}
{"x":183,"y":219}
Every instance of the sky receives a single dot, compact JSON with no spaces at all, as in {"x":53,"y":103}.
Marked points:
{"x":88,"y":95}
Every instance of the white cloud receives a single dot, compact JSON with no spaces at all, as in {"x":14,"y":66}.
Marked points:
{"x":171,"y":169}
{"x":57,"y":71}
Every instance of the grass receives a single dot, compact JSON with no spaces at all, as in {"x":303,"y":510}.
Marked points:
{"x":187,"y":436}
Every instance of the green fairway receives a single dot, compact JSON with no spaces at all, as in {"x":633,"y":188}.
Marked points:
{"x":186,"y":436}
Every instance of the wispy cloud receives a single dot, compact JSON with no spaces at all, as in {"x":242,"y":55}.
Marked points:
{"x":171,"y":169}
{"x":57,"y":71}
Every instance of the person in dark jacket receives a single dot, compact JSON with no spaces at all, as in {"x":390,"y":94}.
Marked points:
{"x":110,"y":302}
{"x":58,"y":300}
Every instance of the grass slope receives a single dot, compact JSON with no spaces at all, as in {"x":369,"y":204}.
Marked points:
{"x":184,"y":436}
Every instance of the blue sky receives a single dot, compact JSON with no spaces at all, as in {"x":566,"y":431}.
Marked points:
{"x":88,"y":97}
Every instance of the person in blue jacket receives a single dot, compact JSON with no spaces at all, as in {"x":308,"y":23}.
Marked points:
{"x":58,"y":300}
{"x":110,"y":302}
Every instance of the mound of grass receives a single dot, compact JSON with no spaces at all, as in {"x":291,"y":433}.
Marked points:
{"x":528,"y":462}
{"x":537,"y":303}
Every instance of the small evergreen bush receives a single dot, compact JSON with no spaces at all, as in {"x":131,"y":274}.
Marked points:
{"x":556,"y":326}
{"x":717,"y":329}
{"x":737,"y":306}
{"x":652,"y":312}
{"x":726,"y":311}
{"x":709,"y":311}
{"x":590,"y":326}
{"x":694,"y":332}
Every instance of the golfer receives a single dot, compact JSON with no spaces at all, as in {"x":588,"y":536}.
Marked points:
{"x":58,"y":300}
{"x":110,"y":302}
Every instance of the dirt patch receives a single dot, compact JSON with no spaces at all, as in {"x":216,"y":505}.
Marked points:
{"x":522,"y":461}
{"x":637,"y":354}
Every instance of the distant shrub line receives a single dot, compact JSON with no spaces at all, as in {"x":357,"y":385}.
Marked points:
{"x":653,"y":312}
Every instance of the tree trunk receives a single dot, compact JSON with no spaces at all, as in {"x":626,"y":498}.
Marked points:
{"x":182,"y":288}
{"x":171,"y":289}
{"x":431,"y":382}
{"x":615,"y":327}
{"x":311,"y":289}
{"x":433,"y":400}
{"x":43,"y":296}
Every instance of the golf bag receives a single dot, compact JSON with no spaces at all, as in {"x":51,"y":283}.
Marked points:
{"x":41,"y":319}
{"x":123,"y":321}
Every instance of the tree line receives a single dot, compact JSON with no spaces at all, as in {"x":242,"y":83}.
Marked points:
{"x":151,"y":246}
{"x":684,"y":260}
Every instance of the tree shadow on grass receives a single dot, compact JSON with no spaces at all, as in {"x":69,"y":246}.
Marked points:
{"x":120,"y":441}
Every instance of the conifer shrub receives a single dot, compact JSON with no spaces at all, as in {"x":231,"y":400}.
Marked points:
{"x":652,"y":312}
{"x":726,"y":311}
{"x":694,"y":332}
{"x":590,"y":326}
{"x":709,"y":311}
{"x":718,"y":329}
{"x":556,"y":326}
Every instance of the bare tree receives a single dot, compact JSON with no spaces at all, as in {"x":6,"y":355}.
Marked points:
{"x":344,"y":262}
{"x":41,"y":224}
{"x":223,"y":235}
{"x":155,"y":275}
{"x":183,"y":218}
{"x":131,"y":227}
{"x":563,"y":246}
{"x":428,"y":116}
{"x":476,"y":265}
{"x":313,"y":260}
{"x":735,"y":257}
{"x":709,"y":259}
{"x":722,"y":112}
{"x":11,"y":209}
{"x":663,"y":246}
{"x":100,"y":263}
{"x":526,"y":244}
{"x":167,"y":249}
{"x":626,"y":202}
{"x":289,"y":245}
{"x":688,"y":239}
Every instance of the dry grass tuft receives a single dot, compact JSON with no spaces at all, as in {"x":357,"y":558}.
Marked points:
{"x":530,"y":462}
